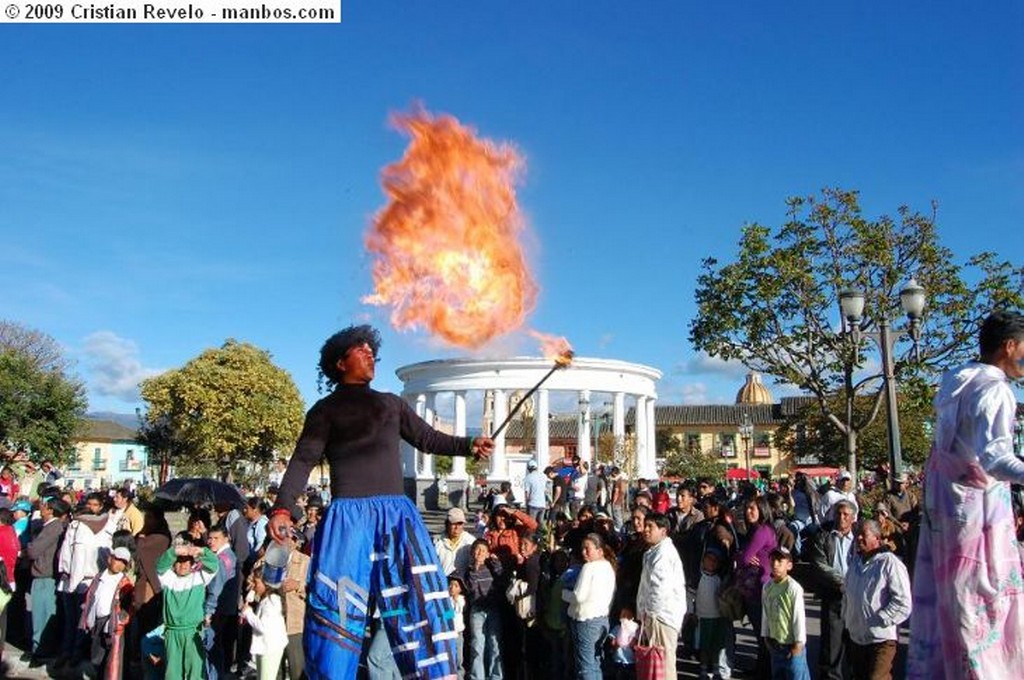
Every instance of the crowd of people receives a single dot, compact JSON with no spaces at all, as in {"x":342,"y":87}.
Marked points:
{"x":97,"y":586}
{"x":547,"y":585}
{"x":588,"y":575}
{"x":689,"y":562}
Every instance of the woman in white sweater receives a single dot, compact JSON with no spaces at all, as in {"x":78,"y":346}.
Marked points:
{"x":589,"y":604}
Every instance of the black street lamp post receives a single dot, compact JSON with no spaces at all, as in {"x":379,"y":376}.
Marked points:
{"x":746,"y":434}
{"x":912,"y":299}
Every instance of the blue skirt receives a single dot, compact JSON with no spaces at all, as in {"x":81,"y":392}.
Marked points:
{"x":373,"y":556}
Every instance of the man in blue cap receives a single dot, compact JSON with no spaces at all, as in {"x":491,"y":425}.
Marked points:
{"x":22,"y":510}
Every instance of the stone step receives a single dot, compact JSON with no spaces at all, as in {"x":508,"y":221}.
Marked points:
{"x":434,"y":519}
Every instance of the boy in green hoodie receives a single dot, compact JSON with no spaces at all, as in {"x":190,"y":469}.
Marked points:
{"x":184,"y":581}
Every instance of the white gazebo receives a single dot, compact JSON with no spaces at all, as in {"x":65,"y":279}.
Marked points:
{"x":424,"y":381}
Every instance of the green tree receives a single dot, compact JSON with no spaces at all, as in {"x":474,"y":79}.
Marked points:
{"x":686,"y":462}
{"x":809,"y":433}
{"x":443,"y":465}
{"x":228,"y":405}
{"x":619,"y":452}
{"x":776,"y":307}
{"x":41,"y":403}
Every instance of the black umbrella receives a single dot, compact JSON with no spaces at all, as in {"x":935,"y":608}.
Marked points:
{"x":198,"y":491}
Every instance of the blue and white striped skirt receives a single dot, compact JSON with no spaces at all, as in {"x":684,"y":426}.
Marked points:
{"x":375,"y":555}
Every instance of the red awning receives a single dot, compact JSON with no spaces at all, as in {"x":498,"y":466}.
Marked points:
{"x":740,"y":473}
{"x":819,"y":471}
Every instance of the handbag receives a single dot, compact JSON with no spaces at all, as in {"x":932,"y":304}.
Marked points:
{"x":523,"y":604}
{"x":650,"y":659}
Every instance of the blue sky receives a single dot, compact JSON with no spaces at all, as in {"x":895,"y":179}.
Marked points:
{"x":163,"y":188}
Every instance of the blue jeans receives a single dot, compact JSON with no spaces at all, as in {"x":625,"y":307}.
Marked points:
{"x":786,"y":667}
{"x":484,"y":649}
{"x":587,"y":644}
{"x":380,"y":660}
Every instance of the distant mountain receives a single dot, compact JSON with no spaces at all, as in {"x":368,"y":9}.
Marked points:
{"x":129,"y":420}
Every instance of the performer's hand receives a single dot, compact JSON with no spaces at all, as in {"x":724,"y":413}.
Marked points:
{"x":280,"y":527}
{"x":483,"y":447}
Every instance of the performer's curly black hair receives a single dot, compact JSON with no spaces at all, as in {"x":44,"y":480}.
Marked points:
{"x":339,"y":344}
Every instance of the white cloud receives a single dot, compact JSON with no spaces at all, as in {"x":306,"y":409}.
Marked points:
{"x":114,"y":364}
{"x":702,"y":364}
{"x":696,"y":393}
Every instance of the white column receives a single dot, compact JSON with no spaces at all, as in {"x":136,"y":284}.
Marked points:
{"x":408,"y":452}
{"x":421,"y":411}
{"x":583,"y":429}
{"x":543,"y":456}
{"x":428,"y":415}
{"x":499,"y":465}
{"x":652,"y":441}
{"x":459,"y":462}
{"x":619,"y":415}
{"x":641,"y":437}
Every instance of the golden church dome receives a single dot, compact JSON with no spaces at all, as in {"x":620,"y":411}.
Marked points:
{"x":754,"y":391}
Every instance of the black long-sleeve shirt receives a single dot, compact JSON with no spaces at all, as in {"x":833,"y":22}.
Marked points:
{"x":359,"y":430}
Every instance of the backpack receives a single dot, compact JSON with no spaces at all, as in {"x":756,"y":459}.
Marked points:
{"x":730,"y":602}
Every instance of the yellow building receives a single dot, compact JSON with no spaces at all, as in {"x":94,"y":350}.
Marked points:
{"x":715,"y":429}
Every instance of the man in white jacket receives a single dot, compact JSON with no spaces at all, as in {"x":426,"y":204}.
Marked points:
{"x":82,"y":556}
{"x":661,"y":600}
{"x":876,"y":600}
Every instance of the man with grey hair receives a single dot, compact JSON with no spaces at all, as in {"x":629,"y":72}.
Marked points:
{"x":829,"y":554}
{"x":875,"y":601}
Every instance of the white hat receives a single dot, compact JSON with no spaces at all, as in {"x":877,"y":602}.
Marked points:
{"x":532,"y":465}
{"x":122,"y":554}
{"x":845,"y":474}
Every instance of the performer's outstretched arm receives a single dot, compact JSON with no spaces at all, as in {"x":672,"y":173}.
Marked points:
{"x":308,"y":452}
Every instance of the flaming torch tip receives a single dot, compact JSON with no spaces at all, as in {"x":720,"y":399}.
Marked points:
{"x":557,"y":349}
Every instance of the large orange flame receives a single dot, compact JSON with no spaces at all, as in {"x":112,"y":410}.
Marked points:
{"x":447,"y":254}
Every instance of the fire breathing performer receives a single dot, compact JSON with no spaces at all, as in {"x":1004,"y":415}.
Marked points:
{"x":371,"y":553}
